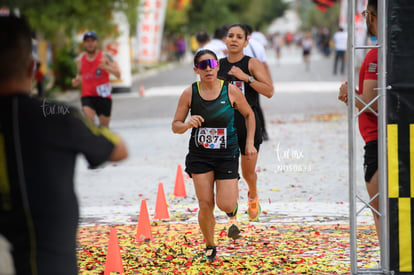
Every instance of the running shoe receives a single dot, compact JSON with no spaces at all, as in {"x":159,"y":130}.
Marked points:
{"x":210,"y":254}
{"x":254,"y":208}
{"x":233,"y":231}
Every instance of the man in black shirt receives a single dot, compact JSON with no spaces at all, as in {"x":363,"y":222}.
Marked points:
{"x":39,"y":143}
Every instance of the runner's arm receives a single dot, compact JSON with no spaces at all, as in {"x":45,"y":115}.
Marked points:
{"x":269,"y":75}
{"x":78,"y":78}
{"x":263,"y":83}
{"x":109,"y":65}
{"x":240,"y":103}
{"x":179,"y":126}
{"x":369,"y":93}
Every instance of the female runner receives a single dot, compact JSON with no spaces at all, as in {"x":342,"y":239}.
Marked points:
{"x":213,"y":150}
{"x":251,"y":77}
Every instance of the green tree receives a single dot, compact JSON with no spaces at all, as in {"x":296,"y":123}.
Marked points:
{"x":312,"y":17}
{"x":56,"y":18}
{"x":176,"y":20}
{"x":59,"y":21}
{"x":209,"y":14}
{"x":261,"y":13}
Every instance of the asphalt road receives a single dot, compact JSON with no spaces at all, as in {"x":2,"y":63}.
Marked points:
{"x":302,"y":169}
{"x":297,"y":91}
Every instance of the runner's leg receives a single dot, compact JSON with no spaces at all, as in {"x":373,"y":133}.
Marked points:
{"x":89,"y":113}
{"x":249,"y":174}
{"x":204,"y":188}
{"x":104,"y":121}
{"x":227,"y":194}
{"x":372,"y":188}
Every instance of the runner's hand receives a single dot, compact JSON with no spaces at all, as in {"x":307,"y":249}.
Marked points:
{"x":343,"y":93}
{"x":250,"y":151}
{"x":238,"y":73}
{"x":195,"y":121}
{"x":104,"y":64}
{"x":76,"y":81}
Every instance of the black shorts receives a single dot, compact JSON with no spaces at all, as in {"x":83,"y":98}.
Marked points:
{"x":224,"y":168}
{"x":102,"y":106}
{"x":370,"y":159}
{"x":240,"y":125}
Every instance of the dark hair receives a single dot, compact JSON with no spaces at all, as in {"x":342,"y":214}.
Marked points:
{"x":202,"y":37}
{"x":202,"y":52}
{"x":15,"y":47}
{"x":220,"y":32}
{"x":373,"y":4}
{"x":242,"y":26}
{"x":249,"y":29}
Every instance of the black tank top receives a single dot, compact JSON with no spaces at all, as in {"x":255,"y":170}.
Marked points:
{"x":217,"y":136}
{"x":250,"y":93}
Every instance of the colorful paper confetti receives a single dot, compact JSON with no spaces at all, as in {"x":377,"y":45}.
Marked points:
{"x":271,"y":249}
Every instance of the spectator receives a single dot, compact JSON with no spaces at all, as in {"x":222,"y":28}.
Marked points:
{"x":39,"y":80}
{"x":340,"y":42}
{"x":39,"y":143}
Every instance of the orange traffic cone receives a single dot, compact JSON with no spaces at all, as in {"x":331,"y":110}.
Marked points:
{"x":141,"y":90}
{"x":113,"y":256}
{"x":179,"y":188}
{"x":144,"y":227}
{"x":161,"y":210}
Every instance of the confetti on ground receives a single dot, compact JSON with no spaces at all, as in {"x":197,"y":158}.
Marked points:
{"x":303,"y":190}
{"x":177,"y":248}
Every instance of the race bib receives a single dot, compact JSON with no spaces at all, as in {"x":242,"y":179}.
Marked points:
{"x":212,"y":138}
{"x":239,"y":84}
{"x":104,"y":90}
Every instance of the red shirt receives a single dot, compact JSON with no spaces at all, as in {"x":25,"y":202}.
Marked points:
{"x":39,"y":76}
{"x":95,"y":81}
{"x":368,"y":122}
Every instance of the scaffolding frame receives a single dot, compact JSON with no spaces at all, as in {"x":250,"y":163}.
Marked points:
{"x":384,"y":264}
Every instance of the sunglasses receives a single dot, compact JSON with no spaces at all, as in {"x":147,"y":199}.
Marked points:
{"x":202,"y":65}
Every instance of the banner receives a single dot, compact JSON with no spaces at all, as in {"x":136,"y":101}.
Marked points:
{"x":400,"y":135}
{"x":120,"y":50}
{"x":343,"y":14}
{"x":360,"y":27}
{"x":149,"y":30}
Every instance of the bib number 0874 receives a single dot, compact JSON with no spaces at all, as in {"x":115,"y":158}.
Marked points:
{"x":212,"y":138}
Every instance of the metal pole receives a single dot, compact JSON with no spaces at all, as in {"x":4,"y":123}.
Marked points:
{"x":352,"y":136}
{"x":382,"y":136}
{"x":382,"y":142}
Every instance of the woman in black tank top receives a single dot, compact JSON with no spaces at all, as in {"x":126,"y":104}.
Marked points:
{"x":213,"y":157}
{"x":250,"y":75}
